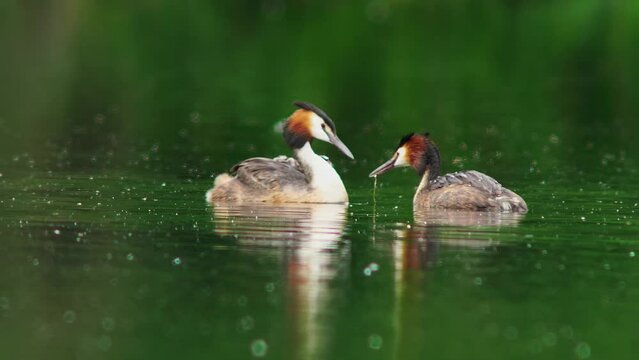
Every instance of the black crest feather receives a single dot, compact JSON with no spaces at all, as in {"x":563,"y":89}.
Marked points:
{"x":405,"y":139}
{"x":310,"y":107}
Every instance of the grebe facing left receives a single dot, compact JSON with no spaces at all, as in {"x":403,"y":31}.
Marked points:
{"x":467,"y":190}
{"x":307,"y":178}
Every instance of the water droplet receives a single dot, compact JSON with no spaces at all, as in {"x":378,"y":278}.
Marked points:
{"x":104,"y":342}
{"x":478,"y":281}
{"x":56,"y":231}
{"x":270,"y":287}
{"x":368,"y":271}
{"x":177,"y":261}
{"x":511,"y":333}
{"x":247,"y":323}
{"x":492,"y":329}
{"x":108,"y":324}
{"x":68,"y":316}
{"x":373,"y":266}
{"x":566,"y":331}
{"x":375,"y":342}
{"x":583,"y":218}
{"x":631,"y":254}
{"x":130,"y":256}
{"x":4,"y":303}
{"x":35,"y":262}
{"x":582,"y":350}
{"x":259,"y":348}
{"x":550,"y":339}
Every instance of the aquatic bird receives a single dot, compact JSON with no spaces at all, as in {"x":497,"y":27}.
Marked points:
{"x":307,"y":178}
{"x":465,"y":190}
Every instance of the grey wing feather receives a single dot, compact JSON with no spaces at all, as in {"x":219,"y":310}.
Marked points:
{"x":472,"y":178}
{"x":270,"y":174}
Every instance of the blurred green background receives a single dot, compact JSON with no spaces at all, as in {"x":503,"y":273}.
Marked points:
{"x":194,"y":79}
{"x":116,"y":115}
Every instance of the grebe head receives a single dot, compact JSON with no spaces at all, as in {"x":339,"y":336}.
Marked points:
{"x":416,"y":151}
{"x":310,"y":122}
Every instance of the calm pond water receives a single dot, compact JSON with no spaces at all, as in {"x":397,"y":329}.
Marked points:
{"x":131,"y":264}
{"x":114,"y":120}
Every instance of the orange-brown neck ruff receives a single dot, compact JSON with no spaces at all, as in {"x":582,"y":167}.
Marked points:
{"x":297,"y":130}
{"x":423,"y":155}
{"x":415,"y":148}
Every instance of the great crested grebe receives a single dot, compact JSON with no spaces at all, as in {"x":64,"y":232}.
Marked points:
{"x":466,"y":190}
{"x":307,"y":178}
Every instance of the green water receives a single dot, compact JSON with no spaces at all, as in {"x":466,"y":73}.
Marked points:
{"x":115,"y":118}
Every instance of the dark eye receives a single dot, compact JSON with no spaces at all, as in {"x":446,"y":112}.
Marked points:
{"x":324,"y":126}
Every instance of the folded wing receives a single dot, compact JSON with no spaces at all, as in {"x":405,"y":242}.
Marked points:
{"x":472,"y":178}
{"x":270,"y":174}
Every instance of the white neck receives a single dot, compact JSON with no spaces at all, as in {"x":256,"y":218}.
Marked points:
{"x":422,"y":184}
{"x":324,"y":179}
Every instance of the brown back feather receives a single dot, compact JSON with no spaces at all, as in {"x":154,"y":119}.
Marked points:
{"x":471,"y":178}
{"x":270,"y":174}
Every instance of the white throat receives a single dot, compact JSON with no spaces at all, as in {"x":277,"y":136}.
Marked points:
{"x":324,"y":179}
{"x":422,"y":185}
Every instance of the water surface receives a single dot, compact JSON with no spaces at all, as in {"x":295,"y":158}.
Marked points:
{"x":115,"y":118}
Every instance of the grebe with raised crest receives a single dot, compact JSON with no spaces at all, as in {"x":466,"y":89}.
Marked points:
{"x":307,"y":178}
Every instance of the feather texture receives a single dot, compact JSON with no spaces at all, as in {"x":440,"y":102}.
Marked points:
{"x":270,"y":174}
{"x":468,"y":190}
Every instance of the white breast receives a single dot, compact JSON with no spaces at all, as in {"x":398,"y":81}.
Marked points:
{"x":325,"y":181}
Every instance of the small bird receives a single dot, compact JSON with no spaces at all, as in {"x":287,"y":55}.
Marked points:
{"x":307,"y":178}
{"x":465,"y":190}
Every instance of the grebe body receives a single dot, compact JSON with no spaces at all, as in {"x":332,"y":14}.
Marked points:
{"x":466,"y":190}
{"x":307,"y":178}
